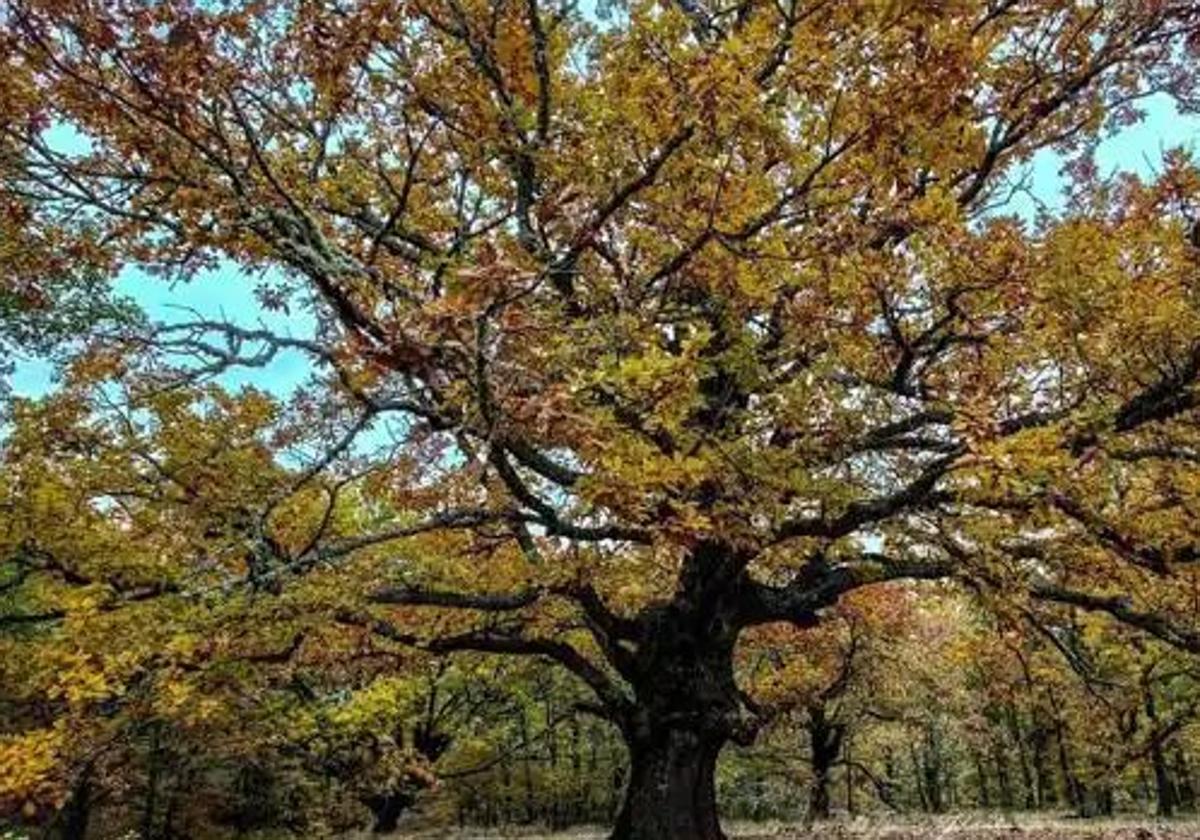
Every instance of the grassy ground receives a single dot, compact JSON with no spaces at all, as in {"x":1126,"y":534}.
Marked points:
{"x":963,"y":827}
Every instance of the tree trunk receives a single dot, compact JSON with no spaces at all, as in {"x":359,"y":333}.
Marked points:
{"x":1039,"y":741}
{"x":77,"y":813}
{"x":1070,"y":780}
{"x":687,"y":708}
{"x":153,"y":771}
{"x":684,"y":704}
{"x":671,"y":793}
{"x":387,"y":808}
{"x":1018,"y":738}
{"x":825,"y":741}
{"x":849,"y":780}
{"x":919,"y":778}
{"x":1185,"y":790}
{"x":1000,"y":757}
{"x":1164,"y":790}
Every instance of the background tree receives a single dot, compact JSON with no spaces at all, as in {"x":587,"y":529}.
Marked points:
{"x":144,"y":688}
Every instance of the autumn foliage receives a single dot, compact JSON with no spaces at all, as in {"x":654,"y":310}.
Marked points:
{"x":648,"y":342}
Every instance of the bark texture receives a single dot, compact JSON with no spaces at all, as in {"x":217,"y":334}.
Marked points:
{"x":671,"y":793}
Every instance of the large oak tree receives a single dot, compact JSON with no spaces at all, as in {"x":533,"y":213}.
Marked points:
{"x":695,"y":318}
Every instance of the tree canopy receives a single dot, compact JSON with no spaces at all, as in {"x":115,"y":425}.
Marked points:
{"x":630,"y":334}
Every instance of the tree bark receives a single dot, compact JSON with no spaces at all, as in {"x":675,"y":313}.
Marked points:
{"x":1070,"y":780}
{"x":153,"y":772}
{"x":825,"y":740}
{"x":77,"y":813}
{"x":983,"y":798}
{"x":1002,"y":775}
{"x":1164,"y":790}
{"x":1184,"y":788}
{"x":671,"y":793}
{"x":387,"y":808}
{"x":1018,"y":737}
{"x":687,"y":707}
{"x":1039,"y":741}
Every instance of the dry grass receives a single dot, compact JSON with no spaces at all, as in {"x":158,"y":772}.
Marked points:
{"x":961,"y":827}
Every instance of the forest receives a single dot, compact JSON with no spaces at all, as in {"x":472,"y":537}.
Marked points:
{"x":656,"y":419}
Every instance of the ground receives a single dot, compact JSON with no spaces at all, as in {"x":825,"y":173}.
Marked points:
{"x":944,"y":828}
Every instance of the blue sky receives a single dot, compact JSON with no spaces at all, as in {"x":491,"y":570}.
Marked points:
{"x":1138,"y":148}
{"x":226,"y":293}
{"x":220,"y":294}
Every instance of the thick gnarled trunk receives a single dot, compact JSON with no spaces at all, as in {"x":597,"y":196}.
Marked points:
{"x":671,"y":793}
{"x":688,"y":707}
